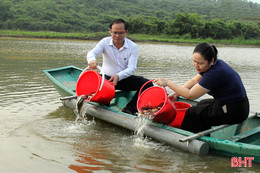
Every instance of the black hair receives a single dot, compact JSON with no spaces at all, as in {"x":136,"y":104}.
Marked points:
{"x":207,"y":51}
{"x":119,"y":21}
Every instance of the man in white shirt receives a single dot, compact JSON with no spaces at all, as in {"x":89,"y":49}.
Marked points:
{"x":120,"y":57}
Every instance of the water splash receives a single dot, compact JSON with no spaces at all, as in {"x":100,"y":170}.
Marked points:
{"x":77,"y":111}
{"x":142,"y":121}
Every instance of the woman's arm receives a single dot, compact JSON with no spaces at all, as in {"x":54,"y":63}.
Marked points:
{"x":190,"y":83}
{"x":190,"y":90}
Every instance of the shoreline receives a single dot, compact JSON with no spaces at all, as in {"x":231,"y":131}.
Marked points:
{"x":134,"y":37}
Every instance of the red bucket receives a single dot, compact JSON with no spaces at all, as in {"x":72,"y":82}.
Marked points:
{"x":181,"y":108}
{"x":91,"y":82}
{"x":153,"y":97}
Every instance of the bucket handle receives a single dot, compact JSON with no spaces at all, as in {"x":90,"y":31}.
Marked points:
{"x":146,"y":84}
{"x":103,"y":75}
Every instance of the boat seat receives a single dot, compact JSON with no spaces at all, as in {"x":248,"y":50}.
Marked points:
{"x":246,"y":134}
{"x":122,"y":98}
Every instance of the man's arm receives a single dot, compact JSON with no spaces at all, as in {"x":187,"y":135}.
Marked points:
{"x":93,"y":54}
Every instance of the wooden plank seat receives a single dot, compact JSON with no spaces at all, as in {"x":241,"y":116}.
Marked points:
{"x":245,"y":135}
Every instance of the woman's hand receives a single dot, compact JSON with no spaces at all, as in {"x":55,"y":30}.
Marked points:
{"x":165,"y":82}
{"x":161,"y":82}
{"x":173,"y":96}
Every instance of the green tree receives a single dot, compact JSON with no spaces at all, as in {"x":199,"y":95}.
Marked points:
{"x":186,"y":24}
{"x":5,"y":13}
{"x":136,"y":24}
{"x":252,"y":30}
{"x":216,"y":29}
{"x":236,"y":28}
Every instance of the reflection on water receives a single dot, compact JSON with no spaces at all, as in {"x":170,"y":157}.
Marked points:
{"x":38,"y":134}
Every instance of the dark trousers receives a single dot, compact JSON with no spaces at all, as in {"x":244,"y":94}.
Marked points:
{"x":210,"y":112}
{"x":132,"y":83}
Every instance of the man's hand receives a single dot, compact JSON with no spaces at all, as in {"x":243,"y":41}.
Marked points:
{"x":114,"y":79}
{"x":93,"y":64}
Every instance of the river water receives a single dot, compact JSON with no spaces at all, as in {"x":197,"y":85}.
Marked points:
{"x":38,"y":134}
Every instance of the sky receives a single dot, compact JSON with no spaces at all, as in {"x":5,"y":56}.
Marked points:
{"x":257,"y":1}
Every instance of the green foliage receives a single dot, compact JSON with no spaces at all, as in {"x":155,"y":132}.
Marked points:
{"x":216,"y":29}
{"x":216,"y":19}
{"x":186,"y":24}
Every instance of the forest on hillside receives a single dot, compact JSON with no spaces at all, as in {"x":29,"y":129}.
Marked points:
{"x":216,"y":19}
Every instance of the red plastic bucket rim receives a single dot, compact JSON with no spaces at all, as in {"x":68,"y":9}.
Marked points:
{"x":187,"y":105}
{"x":90,"y":83}
{"x":165,"y":96}
{"x":94,"y":72}
{"x":100,"y":86}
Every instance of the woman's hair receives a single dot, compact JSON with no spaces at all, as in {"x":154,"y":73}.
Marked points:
{"x":119,"y":21}
{"x":207,"y":51}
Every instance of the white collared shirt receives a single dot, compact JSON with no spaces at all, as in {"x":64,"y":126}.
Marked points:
{"x":122,"y":62}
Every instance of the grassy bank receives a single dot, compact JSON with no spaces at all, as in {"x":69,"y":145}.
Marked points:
{"x":176,"y":39}
{"x":135,"y":37}
{"x":49,"y":34}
